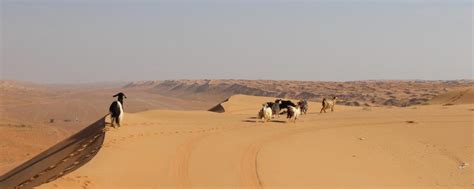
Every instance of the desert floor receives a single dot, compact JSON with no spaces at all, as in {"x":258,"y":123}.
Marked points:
{"x":425,"y":146}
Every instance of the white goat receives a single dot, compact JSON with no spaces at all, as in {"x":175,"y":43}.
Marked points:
{"x":265,"y":113}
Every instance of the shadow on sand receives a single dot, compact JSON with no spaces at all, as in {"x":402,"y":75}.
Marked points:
{"x":259,"y":121}
{"x":59,"y":160}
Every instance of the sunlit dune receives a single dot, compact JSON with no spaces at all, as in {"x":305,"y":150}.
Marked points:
{"x":418,"y":147}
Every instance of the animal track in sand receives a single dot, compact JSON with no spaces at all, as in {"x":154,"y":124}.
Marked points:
{"x":180,"y":166}
{"x":86,"y":184}
{"x":77,"y":152}
{"x":135,"y":136}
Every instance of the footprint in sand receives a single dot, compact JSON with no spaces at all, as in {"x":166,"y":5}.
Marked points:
{"x":86,"y":184}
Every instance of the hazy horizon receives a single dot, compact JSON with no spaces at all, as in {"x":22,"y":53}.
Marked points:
{"x":72,"y":41}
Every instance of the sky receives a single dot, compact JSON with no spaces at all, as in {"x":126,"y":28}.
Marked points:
{"x":80,"y":41}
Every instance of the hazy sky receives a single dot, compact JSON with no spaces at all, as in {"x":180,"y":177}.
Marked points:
{"x":68,"y":41}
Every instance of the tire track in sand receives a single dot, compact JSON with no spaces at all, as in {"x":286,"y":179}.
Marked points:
{"x":180,"y":165}
{"x":249,"y":174}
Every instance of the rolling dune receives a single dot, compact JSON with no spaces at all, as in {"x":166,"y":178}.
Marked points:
{"x":428,"y":146}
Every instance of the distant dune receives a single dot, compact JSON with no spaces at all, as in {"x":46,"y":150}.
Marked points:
{"x":458,"y":96}
{"x":353,"y":93}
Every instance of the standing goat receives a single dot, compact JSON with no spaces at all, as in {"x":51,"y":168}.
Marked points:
{"x":284,"y":104}
{"x":328,"y":104}
{"x":293,"y":113}
{"x":275,"y":107}
{"x":116,"y":110}
{"x":265,"y":114}
{"x":304,"y":106}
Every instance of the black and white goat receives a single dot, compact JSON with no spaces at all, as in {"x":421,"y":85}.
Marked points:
{"x":265,"y":114}
{"x":284,"y":104}
{"x":116,"y":110}
{"x":293,"y":113}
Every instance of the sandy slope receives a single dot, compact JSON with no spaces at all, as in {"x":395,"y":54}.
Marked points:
{"x":26,"y":111}
{"x":416,"y":147}
{"x":458,"y":96}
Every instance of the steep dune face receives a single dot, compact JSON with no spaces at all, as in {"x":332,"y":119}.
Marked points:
{"x":459,"y":96}
{"x":245,"y":103}
{"x":378,"y":147}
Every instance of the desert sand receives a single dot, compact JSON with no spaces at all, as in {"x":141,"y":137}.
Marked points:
{"x":419,"y":146}
{"x":34,"y":117}
{"x":427,"y":146}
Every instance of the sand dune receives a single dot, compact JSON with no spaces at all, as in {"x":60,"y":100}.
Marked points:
{"x":34,"y":117}
{"x":427,"y":146}
{"x":417,"y":146}
{"x":459,"y":96}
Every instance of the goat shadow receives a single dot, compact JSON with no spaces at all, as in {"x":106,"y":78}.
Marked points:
{"x":258,"y":121}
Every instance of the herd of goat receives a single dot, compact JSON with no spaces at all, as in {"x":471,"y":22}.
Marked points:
{"x":271,"y":109}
